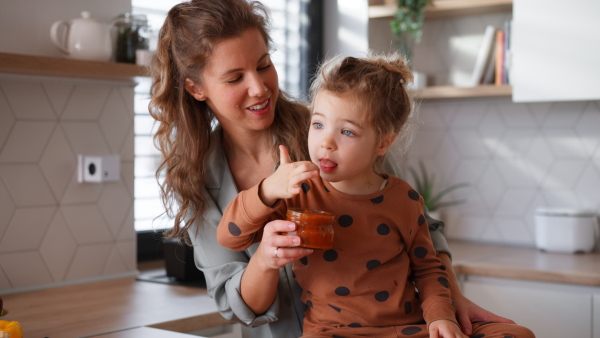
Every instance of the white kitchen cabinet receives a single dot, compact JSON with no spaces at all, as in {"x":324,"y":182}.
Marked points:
{"x":550,"y":310}
{"x":555,"y":46}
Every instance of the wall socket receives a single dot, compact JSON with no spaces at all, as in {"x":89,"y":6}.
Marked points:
{"x":98,"y":169}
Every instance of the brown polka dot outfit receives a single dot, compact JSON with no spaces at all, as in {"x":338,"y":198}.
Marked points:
{"x":382,"y":250}
{"x":366,"y":285}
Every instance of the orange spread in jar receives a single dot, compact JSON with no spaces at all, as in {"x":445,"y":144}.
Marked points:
{"x":314,"y":227}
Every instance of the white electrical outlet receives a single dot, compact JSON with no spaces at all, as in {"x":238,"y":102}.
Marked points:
{"x":97,"y":169}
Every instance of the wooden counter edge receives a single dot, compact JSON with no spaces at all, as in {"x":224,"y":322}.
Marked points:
{"x":527,"y":274}
{"x":191,"y":324}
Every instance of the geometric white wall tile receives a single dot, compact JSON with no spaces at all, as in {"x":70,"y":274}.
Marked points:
{"x":86,"y":223}
{"x":26,"y":229}
{"x":43,"y":208}
{"x":127,"y":172}
{"x":516,"y":115}
{"x":25,"y":268}
{"x":514,"y":230}
{"x":4,"y":283}
{"x":26,"y":185}
{"x":28,"y":101}
{"x":86,"y":138}
{"x":115,"y":121}
{"x":127,"y":232}
{"x":88,"y":261}
{"x":7,"y":208}
{"x":86,"y":102}
{"x":514,"y":202}
{"x":58,"y":163}
{"x":564,"y":174}
{"x":26,"y":141}
{"x":564,"y":114}
{"x":468,"y":143}
{"x":469,"y":115}
{"x":491,"y":186}
{"x":127,"y":250}
{"x":565,"y":143}
{"x":587,"y":127}
{"x":7,"y":119}
{"x":114,"y":264}
{"x":114,"y":204}
{"x":128,"y":150}
{"x":588,"y":188}
{"x":58,"y":247}
{"x":81,"y":192}
{"x":58,"y":94}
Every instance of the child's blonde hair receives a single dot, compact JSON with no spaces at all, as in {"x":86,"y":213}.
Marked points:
{"x":379,"y":83}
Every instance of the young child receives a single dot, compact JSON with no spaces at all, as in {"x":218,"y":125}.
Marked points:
{"x":364,"y":285}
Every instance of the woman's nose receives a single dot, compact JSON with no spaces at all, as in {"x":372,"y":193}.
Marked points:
{"x":257,"y":85}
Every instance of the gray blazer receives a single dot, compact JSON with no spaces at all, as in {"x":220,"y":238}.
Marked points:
{"x":223,"y":268}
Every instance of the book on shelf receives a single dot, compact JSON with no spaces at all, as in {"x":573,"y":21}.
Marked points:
{"x":499,"y":74}
{"x":507,"y":51}
{"x":483,"y":56}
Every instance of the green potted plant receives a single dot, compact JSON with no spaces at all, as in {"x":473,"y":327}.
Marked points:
{"x":424,"y":184}
{"x":407,"y":27}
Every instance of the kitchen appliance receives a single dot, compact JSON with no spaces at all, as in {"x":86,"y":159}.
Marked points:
{"x":566,"y":230}
{"x":82,"y":38}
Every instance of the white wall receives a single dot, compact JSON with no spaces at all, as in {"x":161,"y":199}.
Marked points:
{"x":515,"y":156}
{"x":55,"y":231}
{"x":25,"y":24}
{"x":346,"y":27}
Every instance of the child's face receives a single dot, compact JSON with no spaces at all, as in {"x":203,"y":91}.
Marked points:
{"x":340,"y":142}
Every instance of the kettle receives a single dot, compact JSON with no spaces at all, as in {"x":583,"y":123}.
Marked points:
{"x":82,"y":38}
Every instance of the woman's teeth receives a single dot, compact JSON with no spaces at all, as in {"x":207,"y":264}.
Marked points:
{"x":260,"y":106}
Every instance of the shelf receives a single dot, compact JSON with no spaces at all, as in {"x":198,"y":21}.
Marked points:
{"x":449,"y":92}
{"x":63,"y":67}
{"x":448,"y":8}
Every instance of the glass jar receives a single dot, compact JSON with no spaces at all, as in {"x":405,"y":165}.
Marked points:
{"x":130,"y":33}
{"x":314,"y":227}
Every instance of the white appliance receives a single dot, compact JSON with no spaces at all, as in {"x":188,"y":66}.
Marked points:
{"x":566,"y":230}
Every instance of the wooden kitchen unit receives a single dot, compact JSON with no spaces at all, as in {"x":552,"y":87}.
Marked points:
{"x":94,"y":309}
{"x":127,"y":308}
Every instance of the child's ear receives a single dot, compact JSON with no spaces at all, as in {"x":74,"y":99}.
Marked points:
{"x":194,"y":90}
{"x":385,"y":143}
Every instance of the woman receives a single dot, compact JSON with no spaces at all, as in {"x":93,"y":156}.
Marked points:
{"x":221,"y":118}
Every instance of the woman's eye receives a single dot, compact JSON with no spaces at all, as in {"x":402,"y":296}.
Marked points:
{"x":317,"y":125}
{"x":348,"y":133}
{"x":264,"y":67}
{"x":237,"y":79}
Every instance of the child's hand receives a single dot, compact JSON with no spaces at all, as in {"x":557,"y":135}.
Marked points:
{"x":286,"y":181}
{"x":445,"y":329}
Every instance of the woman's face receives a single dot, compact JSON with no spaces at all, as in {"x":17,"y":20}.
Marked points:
{"x":239,"y":83}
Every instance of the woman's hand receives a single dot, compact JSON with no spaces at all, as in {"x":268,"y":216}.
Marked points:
{"x":277,"y":248}
{"x":259,"y":282}
{"x":468,"y":312}
{"x":445,"y":329}
{"x":287,"y":180}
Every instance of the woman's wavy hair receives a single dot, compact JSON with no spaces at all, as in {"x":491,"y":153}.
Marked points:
{"x":185,"y":125}
{"x":378,"y":83}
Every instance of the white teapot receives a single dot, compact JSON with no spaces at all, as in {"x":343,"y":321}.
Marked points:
{"x":83,"y":38}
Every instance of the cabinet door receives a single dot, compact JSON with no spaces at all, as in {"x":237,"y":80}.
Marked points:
{"x":548,"y":312}
{"x":555,"y":47}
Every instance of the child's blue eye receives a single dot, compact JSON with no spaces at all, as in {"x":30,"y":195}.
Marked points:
{"x":348,"y":133}
{"x":317,"y":125}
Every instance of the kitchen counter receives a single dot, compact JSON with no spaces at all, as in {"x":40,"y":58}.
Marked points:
{"x":525,"y":263}
{"x":129,"y":308}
